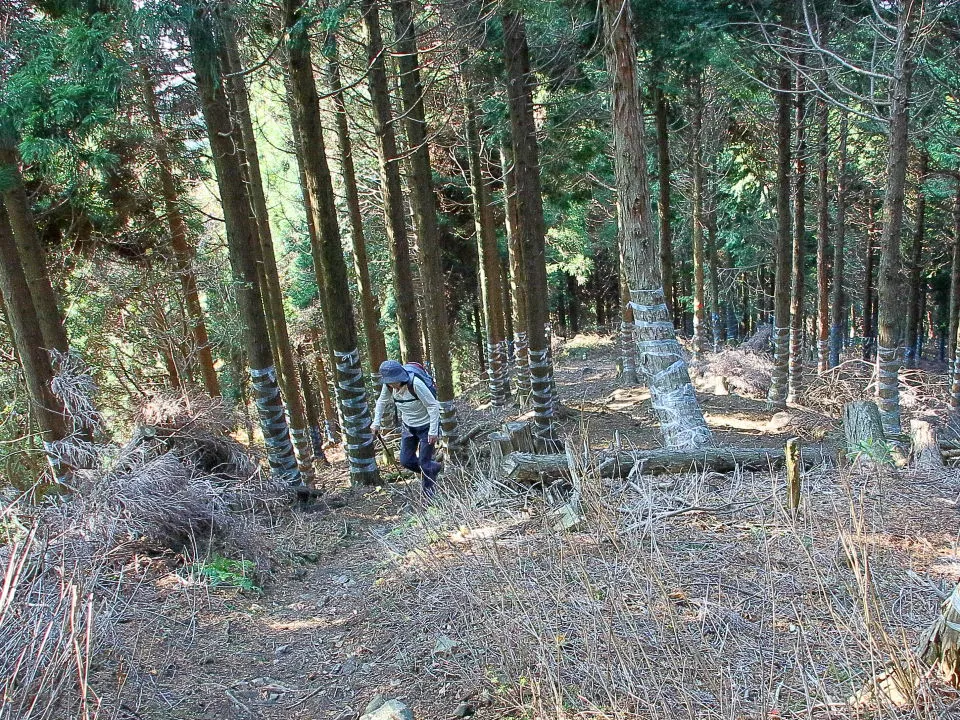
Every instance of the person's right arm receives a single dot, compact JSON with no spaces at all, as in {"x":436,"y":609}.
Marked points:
{"x":381,"y":406}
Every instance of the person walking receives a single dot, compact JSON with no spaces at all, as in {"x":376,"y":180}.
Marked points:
{"x":414,"y":392}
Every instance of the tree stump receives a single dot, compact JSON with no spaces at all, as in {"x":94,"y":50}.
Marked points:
{"x":864,"y":432}
{"x":521,"y":436}
{"x":793,"y":464}
{"x":500,"y":447}
{"x":926,"y":449}
{"x":940,"y":645}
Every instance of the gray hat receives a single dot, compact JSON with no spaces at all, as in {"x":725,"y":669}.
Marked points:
{"x":393,"y":372}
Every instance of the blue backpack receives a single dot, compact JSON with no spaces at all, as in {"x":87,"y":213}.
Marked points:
{"x":417,"y":370}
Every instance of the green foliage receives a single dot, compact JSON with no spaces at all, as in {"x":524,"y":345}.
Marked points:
{"x":221,"y":572}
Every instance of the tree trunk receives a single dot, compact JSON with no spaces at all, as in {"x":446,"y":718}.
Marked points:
{"x":663,"y":203}
{"x":423,"y":202}
{"x":713,"y":272}
{"x":869,"y":300}
{"x":531,"y":228}
{"x":289,"y":376}
{"x":310,"y":405}
{"x":954,"y":303}
{"x":328,"y":261}
{"x":408,"y":326}
{"x":798,"y":279}
{"x":823,"y":229}
{"x":837,"y":295}
{"x":696,"y":172}
{"x":890,"y":284}
{"x":331,"y":421}
{"x":628,"y":345}
{"x":477,"y":317}
{"x":912,"y":335}
{"x":573,"y":307}
{"x":183,"y":253}
{"x":369,"y":307}
{"x":518,"y":288}
{"x":777,"y":396}
{"x":32,"y":254}
{"x":30,"y":345}
{"x":671,"y":393}
{"x":489,"y":256}
{"x":206,"y":43}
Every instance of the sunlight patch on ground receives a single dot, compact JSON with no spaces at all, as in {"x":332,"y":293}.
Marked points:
{"x":627,"y":398}
{"x":736,"y":422}
{"x":313,"y":623}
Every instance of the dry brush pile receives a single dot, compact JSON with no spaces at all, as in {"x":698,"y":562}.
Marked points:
{"x":181,"y":488}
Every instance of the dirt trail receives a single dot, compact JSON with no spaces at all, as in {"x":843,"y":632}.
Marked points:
{"x":375,"y":591}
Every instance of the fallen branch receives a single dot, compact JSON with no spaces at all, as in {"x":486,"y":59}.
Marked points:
{"x":527,"y":467}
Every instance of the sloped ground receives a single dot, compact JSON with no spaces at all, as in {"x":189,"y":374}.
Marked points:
{"x":674,"y":597}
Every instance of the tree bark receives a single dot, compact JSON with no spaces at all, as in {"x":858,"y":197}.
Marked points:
{"x":289,"y":376}
{"x":890,"y":285}
{"x":869,"y":298}
{"x":954,"y":303}
{"x":489,"y":255}
{"x":823,"y":240}
{"x":183,"y":252}
{"x":206,"y":41}
{"x":777,"y":396}
{"x":518,"y":288}
{"x":531,"y":228}
{"x":31,"y":350}
{"x":713,"y":272}
{"x":925,"y":451}
{"x":32,"y":254}
{"x":369,"y":307}
{"x":661,"y":110}
{"x":671,"y":393}
{"x":331,"y":421}
{"x":798,"y":278}
{"x":423,"y":202}
{"x":329,"y":263}
{"x":408,"y":326}
{"x":696,"y":162}
{"x":863,"y":429}
{"x":912,"y":334}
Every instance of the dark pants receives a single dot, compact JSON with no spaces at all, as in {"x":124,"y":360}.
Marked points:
{"x":417,"y":454}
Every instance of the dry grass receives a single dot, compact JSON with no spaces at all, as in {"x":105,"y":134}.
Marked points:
{"x":694,"y":597}
{"x":747,"y":371}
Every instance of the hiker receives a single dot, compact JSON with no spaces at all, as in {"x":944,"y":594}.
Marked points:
{"x":414,"y":393}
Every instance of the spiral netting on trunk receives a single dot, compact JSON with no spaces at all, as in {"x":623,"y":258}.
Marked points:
{"x":541,"y":389}
{"x":352,"y":399}
{"x":273,"y":424}
{"x":497,"y":373}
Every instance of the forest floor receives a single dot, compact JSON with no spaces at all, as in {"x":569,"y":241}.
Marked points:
{"x":691,"y":596}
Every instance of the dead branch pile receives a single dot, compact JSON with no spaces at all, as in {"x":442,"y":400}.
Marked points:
{"x":760,"y":341}
{"x":747,"y":372}
{"x":180,"y":485}
{"x":921,"y":392}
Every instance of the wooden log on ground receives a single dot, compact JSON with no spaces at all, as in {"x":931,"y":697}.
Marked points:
{"x":864,"y":431}
{"x":926,"y":450}
{"x":526,"y":467}
{"x":521,"y":436}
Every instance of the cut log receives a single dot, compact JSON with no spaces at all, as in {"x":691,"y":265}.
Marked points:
{"x":526,"y":467}
{"x":864,"y":432}
{"x":926,"y":449}
{"x":521,"y":436}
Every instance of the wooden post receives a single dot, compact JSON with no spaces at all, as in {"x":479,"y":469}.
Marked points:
{"x":793,"y":465}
